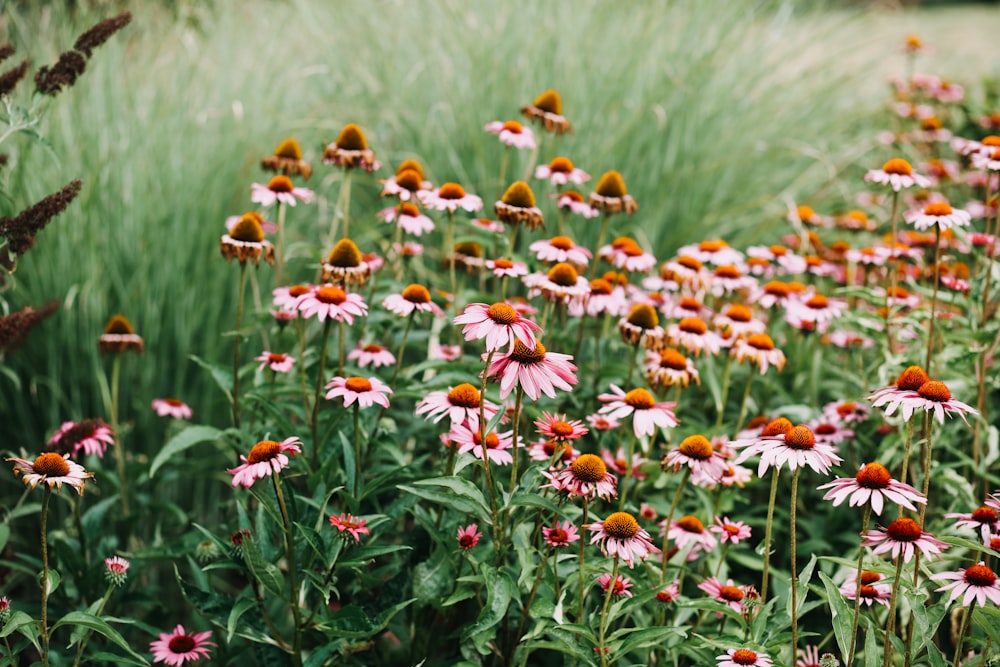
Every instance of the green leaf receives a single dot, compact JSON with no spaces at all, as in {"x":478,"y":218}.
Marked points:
{"x":223,"y":377}
{"x":21,"y":622}
{"x":842,"y":615}
{"x":184,"y":440}
{"x":456,"y":493}
{"x":99,"y":626}
{"x":432,"y":578}
{"x":266,"y":573}
{"x":4,"y":535}
{"x":638,"y":638}
{"x":105,"y":658}
{"x":988,"y":618}
{"x":500,"y":589}
{"x":352,"y":621}
{"x":241,"y":607}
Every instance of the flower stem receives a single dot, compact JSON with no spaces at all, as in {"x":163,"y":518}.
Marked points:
{"x":604,"y":613}
{"x":893,"y":268}
{"x":849,"y":658}
{"x":116,"y":371}
{"x":631,"y":364}
{"x":670,"y":518}
{"x":449,"y":252}
{"x":402,"y":350}
{"x":926,"y":464}
{"x":236,"y":351}
{"x":314,"y":419}
{"x":515,"y":418}
{"x":357,"y":449}
{"x":292,"y":570}
{"x":989,"y":250}
{"x":628,"y":471}
{"x":934,"y":297}
{"x":725,"y":391}
{"x":531,"y":596}
{"x":583,"y":542}
{"x":86,"y":637}
{"x":345,"y":198}
{"x":795,"y":571}
{"x":45,"y":576}
{"x":767,"y":533}
{"x":961,"y":634}
{"x":743,"y":403}
{"x":600,"y":240}
{"x":280,"y":245}
{"x":890,"y":622}
{"x":504,"y":161}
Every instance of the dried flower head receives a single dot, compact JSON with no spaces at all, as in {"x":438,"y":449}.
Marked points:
{"x":547,"y":109}
{"x":351,"y":150}
{"x":14,"y":327}
{"x":100,"y":33}
{"x":518,"y":205}
{"x":119,"y":336}
{"x":21,"y":229}
{"x":63,"y":74}
{"x":12,"y":77}
{"x":245,"y":241}
{"x":287,"y":160}
{"x":345,"y":264}
{"x":611,"y":196}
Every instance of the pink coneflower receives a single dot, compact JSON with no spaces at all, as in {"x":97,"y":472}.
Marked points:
{"x":796,"y":448}
{"x":371,"y":354}
{"x":873,"y":485}
{"x":544,"y":449}
{"x":730,"y":531}
{"x":618,"y":464}
{"x":535,"y":370}
{"x":171,"y":407}
{"x":460,"y":403}
{"x":743,"y":657}
{"x":52,"y":469}
{"x":414,"y":297}
{"x":669,"y":593}
{"x":470,"y":441}
{"x":560,"y":249}
{"x":562,"y":283}
{"x":626,"y":255}
{"x":646,"y":413}
{"x":739,"y":319}
{"x":116,"y":570}
{"x":847,"y":412}
{"x":500,"y":324}
{"x":668,"y":367}
{"x":586,"y":476}
{"x":871,"y":591}
{"x":937,"y":214}
{"x":712,"y":251}
{"x":265,"y":458}
{"x":647,"y":512}
{"x":689,"y":530}
{"x":504,"y":268}
{"x":977,"y":583}
{"x":603,"y":298}
{"x":574,"y":202}
{"x":561,"y":171}
{"x":279,"y":189}
{"x":815,"y":307}
{"x":406,"y":182}
{"x":987,"y":161}
{"x":366,"y":391}
{"x":561,"y":534}
{"x":600,"y":422}
{"x":445,"y":352}
{"x":468,"y":537}
{"x":930,"y":395}
{"x":177,"y":647}
{"x":620,"y":536}
{"x":808,"y":656}
{"x":277,"y":362}
{"x":560,"y":428}
{"x":331,"y":301}
{"x":287,"y":298}
{"x":697,"y":453}
{"x":729,"y":279}
{"x":985,"y":519}
{"x":348,"y":524}
{"x":92,"y":436}
{"x":512,"y":133}
{"x":450,"y":197}
{"x":830,"y":432}
{"x":621,"y":585}
{"x":693,"y":335}
{"x":759,"y":349}
{"x":268,"y":227}
{"x":902,"y":537}
{"x":408,"y":249}
{"x":408,"y":218}
{"x":898,"y":174}
{"x":729,"y":593}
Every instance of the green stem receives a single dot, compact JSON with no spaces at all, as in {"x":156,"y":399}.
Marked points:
{"x":893,"y":269}
{"x":725,"y":391}
{"x":934,"y":298}
{"x":515,"y":418}
{"x":236,"y":351}
{"x":961,"y":635}
{"x":45,"y":576}
{"x":767,"y":533}
{"x":486,"y":454}
{"x":292,"y":571}
{"x":345,"y":196}
{"x":604,"y":613}
{"x":743,"y":403}
{"x":849,"y":658}
{"x":531,"y":596}
{"x":795,"y":572}
{"x":579,"y":613}
{"x":86,"y":637}
{"x":504,"y":160}
{"x":314,"y":419}
{"x":116,"y":368}
{"x":280,"y":245}
{"x":670,"y":518}
{"x":341,"y":337}
{"x":628,"y":471}
{"x":449,"y":250}
{"x":926,"y":464}
{"x":890,"y":622}
{"x":402,"y":350}
{"x":357,"y":449}
{"x":631,"y":364}
{"x":990,"y":249}
{"x":600,"y":241}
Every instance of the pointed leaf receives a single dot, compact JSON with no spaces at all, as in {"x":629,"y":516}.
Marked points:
{"x":184,"y":440}
{"x":99,"y":626}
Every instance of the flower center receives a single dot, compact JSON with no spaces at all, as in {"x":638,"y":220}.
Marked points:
{"x":873,"y":476}
{"x":181,"y":644}
{"x":800,"y":437}
{"x":464,"y":396}
{"x":573,"y":195}
{"x":345,"y":254}
{"x":621,"y":526}
{"x":503,"y":263}
{"x":846,"y":408}
{"x":558,"y":535}
{"x":898,"y":293}
{"x":351,"y":138}
{"x":868,"y":578}
{"x":416,"y":294}
{"x":519,"y":194}
{"x":825,"y":429}
{"x":298,"y":290}
{"x":670,"y":358}
{"x":990,"y":140}
{"x":937,"y":208}
{"x":693,"y":325}
{"x":727,"y":271}
{"x":522,"y":354}
{"x":119,"y":325}
{"x":502,"y":313}
{"x":903,"y":529}
{"x":51,"y":464}
{"x":358,"y":384}
{"x":280,"y":183}
{"x":779,"y":426}
{"x":410,"y":164}
{"x":563,"y":274}
{"x":640,"y":399}
{"x":738,"y":313}
{"x":513,"y":126}
{"x":696,"y":447}
{"x":550,"y":102}
{"x":289,"y":148}
{"x":409,"y":180}
{"x":912,"y":379}
{"x":492,"y":440}
{"x":931,"y":123}
{"x":561,"y":242}
{"x":588,"y":468}
{"x":869,"y":592}
{"x":600,"y":286}
{"x":984,"y":515}
{"x":817,"y":302}
{"x":643,"y":316}
{"x":731,"y":594}
{"x":980,"y":575}
{"x":265,"y":450}
{"x":691,"y":524}
{"x":776,"y":288}
{"x":272,"y":358}
{"x":561,"y":164}
{"x":760,"y":342}
{"x":934,"y":391}
{"x":248,"y":228}
{"x":331,"y":294}
{"x":611,"y":184}
{"x":561,"y":429}
{"x":744,"y":656}
{"x":451,"y":191}
{"x":897,"y":166}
